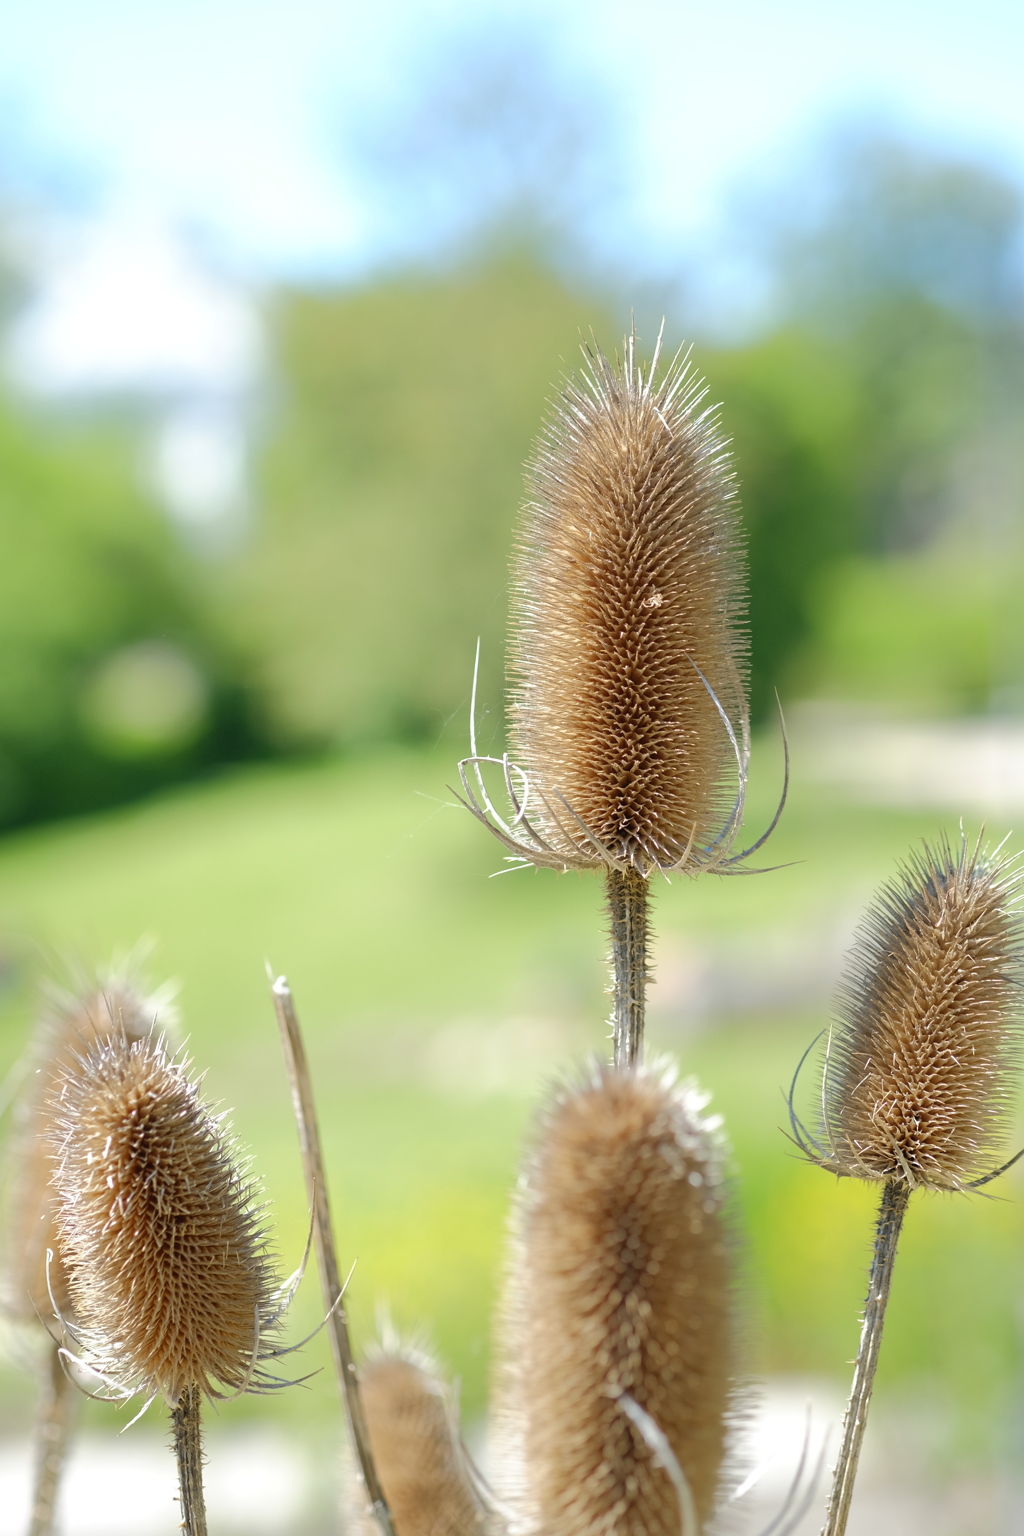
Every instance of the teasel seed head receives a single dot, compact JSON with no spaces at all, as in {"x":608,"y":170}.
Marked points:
{"x":619,"y":1298}
{"x":628,"y":652}
{"x":165,"y":1250}
{"x":918,"y":1072}
{"x":413,"y":1425}
{"x":71,"y":1025}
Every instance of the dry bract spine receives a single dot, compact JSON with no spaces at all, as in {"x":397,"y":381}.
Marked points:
{"x":620,"y":1292}
{"x":165,"y":1251}
{"x":918,"y":1071}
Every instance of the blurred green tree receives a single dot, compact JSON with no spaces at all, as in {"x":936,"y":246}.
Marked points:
{"x":112,"y":677}
{"x":388,"y":491}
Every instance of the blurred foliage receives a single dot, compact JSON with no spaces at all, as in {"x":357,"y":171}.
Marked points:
{"x":91,"y":572}
{"x":875,"y":426}
{"x":389,"y":490}
{"x":390,"y":483}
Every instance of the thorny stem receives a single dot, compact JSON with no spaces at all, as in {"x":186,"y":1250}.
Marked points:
{"x":53,"y":1432}
{"x":188,"y":1448}
{"x":891,"y":1211}
{"x":330,"y":1280}
{"x":627,"y":907}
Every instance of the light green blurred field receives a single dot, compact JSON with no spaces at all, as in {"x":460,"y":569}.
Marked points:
{"x":437,"y":1002}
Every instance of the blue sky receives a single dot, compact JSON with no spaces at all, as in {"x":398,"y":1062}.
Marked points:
{"x":236,"y":119}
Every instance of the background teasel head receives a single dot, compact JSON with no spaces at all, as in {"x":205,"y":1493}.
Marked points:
{"x":917,"y":1076}
{"x":412,"y":1419}
{"x":165,"y":1251}
{"x":619,"y":1300}
{"x":628,"y":655}
{"x":72,"y":1023}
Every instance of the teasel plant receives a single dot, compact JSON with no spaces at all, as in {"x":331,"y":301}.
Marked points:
{"x":918,"y":1072}
{"x":36,"y":1289}
{"x":617,"y":1389}
{"x":172,"y":1288}
{"x":629,"y":733}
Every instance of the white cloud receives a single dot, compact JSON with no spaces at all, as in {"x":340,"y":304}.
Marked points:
{"x":124,"y":305}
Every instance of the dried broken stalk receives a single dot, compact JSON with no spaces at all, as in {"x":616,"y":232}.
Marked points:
{"x":327,"y":1261}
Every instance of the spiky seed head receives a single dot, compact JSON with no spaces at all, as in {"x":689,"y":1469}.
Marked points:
{"x":414,"y":1436}
{"x":165,"y":1252}
{"x":918,"y":1069}
{"x":629,"y":650}
{"x":71,"y":1025}
{"x":620,"y":1285}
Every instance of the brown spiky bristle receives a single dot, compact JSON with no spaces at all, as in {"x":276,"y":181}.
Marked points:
{"x":73,"y":1026}
{"x":165,"y":1254}
{"x":917,"y":1076}
{"x":414,"y":1438}
{"x":628,"y":608}
{"x":620,"y":1288}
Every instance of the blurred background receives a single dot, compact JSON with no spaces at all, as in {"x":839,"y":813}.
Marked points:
{"x":284,"y":293}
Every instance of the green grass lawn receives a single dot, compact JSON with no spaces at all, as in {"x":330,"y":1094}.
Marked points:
{"x":437,"y":1002}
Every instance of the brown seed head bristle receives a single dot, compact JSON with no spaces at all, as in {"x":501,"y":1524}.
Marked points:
{"x":164,"y":1249}
{"x":620,"y":1285}
{"x":71,"y":1027}
{"x":415,"y":1441}
{"x":918,"y":1070}
{"x":628,"y":624}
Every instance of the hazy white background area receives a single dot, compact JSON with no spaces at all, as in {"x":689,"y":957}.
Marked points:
{"x":185,"y":153}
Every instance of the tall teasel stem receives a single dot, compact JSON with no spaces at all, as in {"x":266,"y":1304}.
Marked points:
{"x":628,"y":715}
{"x":895,"y":1198}
{"x":627,"y":907}
{"x":186,"y":1422}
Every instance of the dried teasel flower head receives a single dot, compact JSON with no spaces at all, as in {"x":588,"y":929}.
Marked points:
{"x":618,"y":1324}
{"x":412,"y":1419}
{"x":918,"y":1070}
{"x":628,"y":657}
{"x":165,"y":1250}
{"x":72,"y":1023}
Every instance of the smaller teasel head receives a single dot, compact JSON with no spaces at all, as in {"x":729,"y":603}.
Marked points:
{"x":628,"y":653}
{"x":164,"y":1248}
{"x":412,"y":1419}
{"x":72,"y":1024}
{"x":918,"y":1072}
